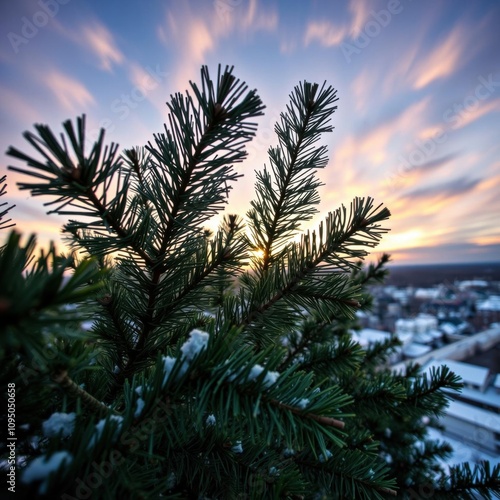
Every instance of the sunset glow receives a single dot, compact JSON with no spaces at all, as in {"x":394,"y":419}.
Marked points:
{"x":418,"y":119}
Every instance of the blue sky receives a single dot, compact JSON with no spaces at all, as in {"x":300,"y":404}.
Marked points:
{"x":417,"y":125}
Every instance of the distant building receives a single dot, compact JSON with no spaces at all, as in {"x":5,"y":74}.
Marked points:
{"x":474,"y":425}
{"x":423,"y":330}
{"x":473,"y":415}
{"x":369,"y":336}
{"x":490,"y":304}
{"x":487,"y":312}
{"x":471,"y":284}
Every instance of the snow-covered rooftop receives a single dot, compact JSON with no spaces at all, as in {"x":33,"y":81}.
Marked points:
{"x":463,"y":285}
{"x":490,"y":304}
{"x":428,"y":293}
{"x":367,"y":336}
{"x":489,"y":397}
{"x":474,"y":415}
{"x":415,"y":350}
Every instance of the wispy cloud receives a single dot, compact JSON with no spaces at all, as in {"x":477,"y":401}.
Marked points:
{"x":443,"y":60}
{"x":482,"y":108}
{"x":95,"y":39}
{"x":101,"y":42}
{"x":456,"y":187}
{"x":360,"y":14}
{"x":71,"y":94}
{"x":330,"y":34}
{"x":203,"y":31}
{"x":257,"y":19}
{"x":325,"y":33}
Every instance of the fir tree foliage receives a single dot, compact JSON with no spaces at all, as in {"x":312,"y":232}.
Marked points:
{"x":159,"y":359}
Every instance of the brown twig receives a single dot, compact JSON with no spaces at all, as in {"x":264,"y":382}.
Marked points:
{"x":61,"y":377}
{"x":329,"y":421}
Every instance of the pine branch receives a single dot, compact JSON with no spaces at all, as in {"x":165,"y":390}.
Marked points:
{"x":337,"y":242}
{"x":4,"y":224}
{"x":286,"y":199}
{"x":76,"y":184}
{"x":202,"y":165}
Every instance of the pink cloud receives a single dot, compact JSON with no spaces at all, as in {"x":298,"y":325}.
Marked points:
{"x":481,"y":109}
{"x":325,"y":33}
{"x":442,"y":62}
{"x":360,"y":13}
{"x":101,"y":42}
{"x":71,"y":94}
{"x":202,"y":32}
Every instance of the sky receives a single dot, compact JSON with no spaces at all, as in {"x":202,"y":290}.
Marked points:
{"x":418,"y":120}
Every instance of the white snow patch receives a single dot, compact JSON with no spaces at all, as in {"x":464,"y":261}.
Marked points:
{"x":273,"y":471}
{"x":237,"y":448}
{"x":168,"y":364}
{"x":59,"y":423}
{"x":301,"y":403}
{"x":99,"y":428}
{"x":270,"y":378}
{"x":323,"y":458}
{"x":211,"y":420}
{"x":140,"y":406}
{"x":87,"y":325}
{"x":288,"y":452}
{"x":198,"y":340}
{"x":41,"y":467}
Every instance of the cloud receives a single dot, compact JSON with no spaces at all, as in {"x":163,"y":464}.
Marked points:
{"x":202,"y":31}
{"x":329,"y":34}
{"x":325,"y":33}
{"x":360,"y":15}
{"x":447,"y":190}
{"x":442,"y":62}
{"x":101,"y":42}
{"x":71,"y":94}
{"x":372,"y":147}
{"x":483,"y":108}
{"x":257,"y":19}
{"x":434,"y":164}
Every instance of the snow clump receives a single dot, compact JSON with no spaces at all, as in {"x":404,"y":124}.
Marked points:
{"x":40,"y":468}
{"x":237,"y":448}
{"x":323,"y":458}
{"x":140,"y":406}
{"x":59,"y":423}
{"x":270,"y":378}
{"x":197,"y":341}
{"x":99,"y":428}
{"x":301,"y":403}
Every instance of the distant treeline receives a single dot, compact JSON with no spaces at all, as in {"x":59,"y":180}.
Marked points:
{"x":428,"y":275}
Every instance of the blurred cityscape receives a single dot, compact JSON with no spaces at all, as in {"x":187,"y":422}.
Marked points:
{"x":447,"y":315}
